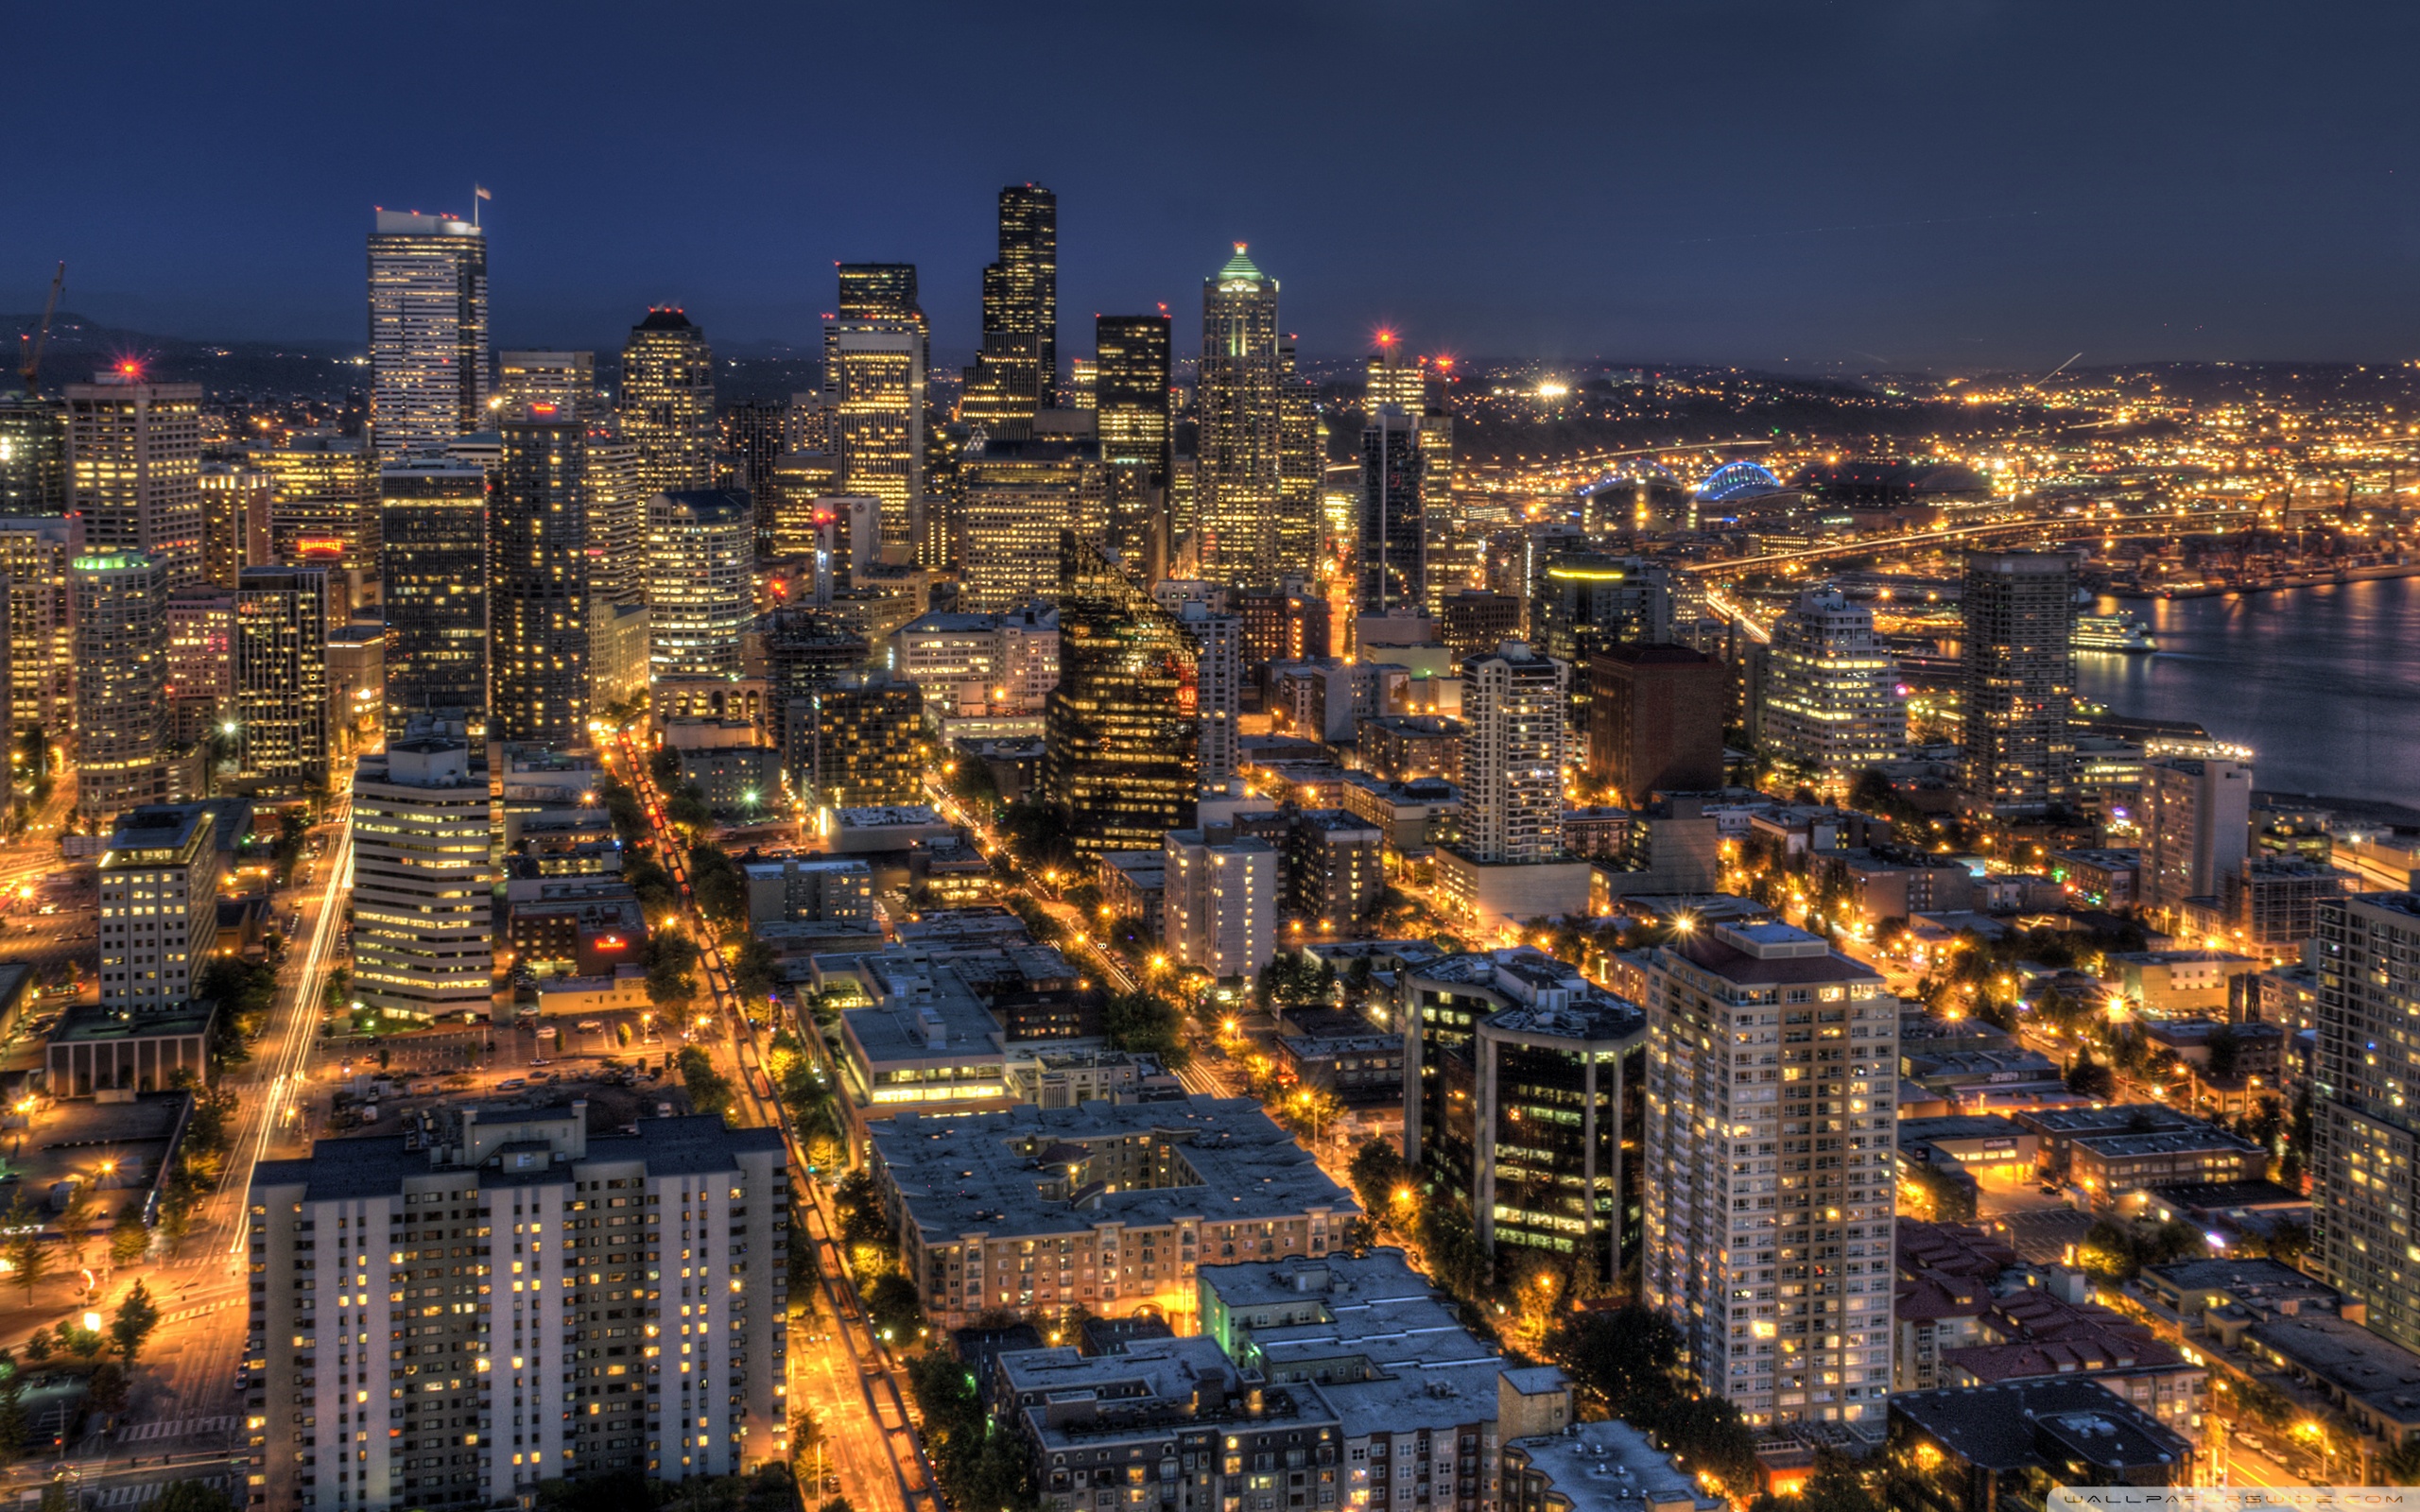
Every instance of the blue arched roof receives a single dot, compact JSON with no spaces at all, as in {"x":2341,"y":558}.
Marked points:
{"x":1733,"y":480}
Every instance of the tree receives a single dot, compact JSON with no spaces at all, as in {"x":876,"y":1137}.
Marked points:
{"x":2088,"y":1077}
{"x":83,"y":1343}
{"x":755,"y":970}
{"x":14,"y":1431}
{"x":107,"y":1386}
{"x":894,"y":1308}
{"x":1377,"y":1172}
{"x":37,"y":1350}
{"x":673,"y":958}
{"x":129,"y":1238}
{"x":1146,"y":1024}
{"x":136,"y":1317}
{"x":25,"y":1250}
{"x":710,"y":1091}
{"x":76,"y":1220}
{"x":1293,"y":978}
{"x":1456,"y":1258}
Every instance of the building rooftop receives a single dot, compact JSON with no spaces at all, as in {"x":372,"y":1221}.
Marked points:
{"x":378,"y":1165}
{"x":1611,"y":1467}
{"x":2033,"y":1424}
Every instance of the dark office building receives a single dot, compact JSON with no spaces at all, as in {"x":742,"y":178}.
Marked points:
{"x":1131,"y":410}
{"x":1017,"y":371}
{"x":1120,"y":730}
{"x":1655,"y":719}
{"x":753,"y":438}
{"x":281,"y":675}
{"x":2019,"y":678}
{"x":806,"y":650}
{"x":869,"y":742}
{"x":433,"y":566}
{"x":1473,"y":621}
{"x":1282,"y":627}
{"x":539,"y":590}
{"x":1393,"y":566}
{"x":1991,"y":1447}
{"x":33,"y":456}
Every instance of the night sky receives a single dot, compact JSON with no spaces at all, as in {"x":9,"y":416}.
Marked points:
{"x":1944,"y":182}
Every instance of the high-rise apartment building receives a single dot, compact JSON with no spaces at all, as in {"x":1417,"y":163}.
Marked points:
{"x":281,"y":675}
{"x":700,"y":554}
{"x":1395,"y":539}
{"x":566,"y":380}
{"x":159,"y":908}
{"x":419,"y":1243}
{"x":33,"y":456}
{"x":433,"y":569}
{"x":428,"y":331}
{"x":1120,"y":730}
{"x":2197,"y":830}
{"x":1218,"y":689}
{"x":1016,"y":372}
{"x":1238,"y":443}
{"x":1773,"y":1064}
{"x":616,"y":518}
{"x":121,"y":637}
{"x":1833,"y":705}
{"x":199,"y":686}
{"x":1218,"y":908}
{"x":2365,"y":1174}
{"x":667,"y":403}
{"x":540,"y":529}
{"x":235,"y":500}
{"x":874,"y":394}
{"x":134,"y":469}
{"x":37,"y":557}
{"x":802,"y":481}
{"x":2018,"y":680}
{"x":422,"y":898}
{"x":1018,"y":498}
{"x":323,"y":500}
{"x":869,"y":742}
{"x":1130,"y":381}
{"x":1512,"y":730}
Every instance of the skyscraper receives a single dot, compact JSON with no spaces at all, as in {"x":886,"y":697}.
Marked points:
{"x":37,"y":557}
{"x":33,"y":456}
{"x":1131,"y":412}
{"x":539,"y":593}
{"x":1020,"y":497}
{"x":121,"y":617}
{"x":234,"y":521}
{"x":1120,"y":729}
{"x":668,"y":405}
{"x":881,"y":292}
{"x":323,"y":500}
{"x":874,"y":390}
{"x":2197,"y":830}
{"x":134,"y":469}
{"x":566,"y":380}
{"x":1833,"y":705}
{"x":1655,"y":715}
{"x":753,"y":434}
{"x":701,"y":594}
{"x":1016,"y":372}
{"x":868,"y":742}
{"x":1218,"y":683}
{"x":199,"y":686}
{"x":433,"y":532}
{"x":159,"y":888}
{"x":1301,"y":531}
{"x":1726,"y":1232}
{"x":281,"y":675}
{"x":1238,"y":445}
{"x":1512,"y":730}
{"x":2019,"y":683}
{"x":428,"y":331}
{"x":1393,"y":540}
{"x":2364,"y":1176}
{"x":422,"y":942}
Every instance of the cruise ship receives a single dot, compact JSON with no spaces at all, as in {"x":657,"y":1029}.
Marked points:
{"x":2113,"y":632}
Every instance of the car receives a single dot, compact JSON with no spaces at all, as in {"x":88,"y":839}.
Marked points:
{"x":542,"y":1061}
{"x":515,"y":1085}
{"x":832,"y":1485}
{"x":2051,"y":1189}
{"x":47,"y":908}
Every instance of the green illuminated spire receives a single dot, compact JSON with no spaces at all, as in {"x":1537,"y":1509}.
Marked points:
{"x":1238,"y":267}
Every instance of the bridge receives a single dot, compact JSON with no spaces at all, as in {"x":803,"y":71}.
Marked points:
{"x":2132,"y":528}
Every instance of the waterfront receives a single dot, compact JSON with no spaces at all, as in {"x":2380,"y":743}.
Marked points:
{"x":2322,"y":683}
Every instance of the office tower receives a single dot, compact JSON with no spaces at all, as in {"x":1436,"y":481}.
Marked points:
{"x":423,"y":944}
{"x":1016,"y":372}
{"x":1833,"y":706}
{"x":487,"y":1191}
{"x":433,"y":569}
{"x":980,"y":664}
{"x":1020,"y":496}
{"x":1218,"y":689}
{"x":806,"y":426}
{"x":1218,"y":904}
{"x":1524,"y":1088}
{"x":752,"y":436}
{"x":616,"y":519}
{"x":1726,"y":1229}
{"x":1582,"y":602}
{"x":1083,"y":383}
{"x":806,"y":649}
{"x":1393,"y":538}
{"x":121,"y":629}
{"x":2197,"y":831}
{"x":667,"y":408}
{"x":1470,"y":620}
{"x":868,"y":746}
{"x":1237,"y":442}
{"x":1456,"y":554}
{"x":539,"y":609}
{"x":1301,"y":533}
{"x":2018,"y":680}
{"x":1285,"y":626}
{"x":1130,"y":382}
{"x":134,"y":469}
{"x":2364,"y":1176}
{"x":800,"y":481}
{"x":281,"y":675}
{"x":33,"y":456}
{"x":37,"y":557}
{"x":701,"y":584}
{"x":878,"y":292}
{"x":200,"y":684}
{"x":1119,"y":730}
{"x":159,"y":908}
{"x":428,"y":331}
{"x":235,"y":500}
{"x":566,"y":380}
{"x":323,"y":500}
{"x":1655,"y":719}
{"x":874,"y":390}
{"x":1513,"y":715}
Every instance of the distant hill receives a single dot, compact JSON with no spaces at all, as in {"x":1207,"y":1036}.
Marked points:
{"x":80,"y":347}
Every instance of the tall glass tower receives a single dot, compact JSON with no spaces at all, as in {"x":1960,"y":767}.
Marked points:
{"x":433,"y":549}
{"x":1130,"y":410}
{"x":1017,"y":371}
{"x":540,"y":591}
{"x":428,"y":330}
{"x":669,"y":403}
{"x":1237,"y":446}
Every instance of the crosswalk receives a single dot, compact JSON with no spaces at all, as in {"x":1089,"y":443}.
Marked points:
{"x":203,"y":1310}
{"x":133,"y":1494}
{"x":174,"y":1428}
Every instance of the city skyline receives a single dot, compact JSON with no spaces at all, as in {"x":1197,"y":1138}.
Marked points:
{"x":1957,"y":194}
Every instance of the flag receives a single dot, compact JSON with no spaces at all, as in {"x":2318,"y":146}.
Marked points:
{"x":481,"y":192}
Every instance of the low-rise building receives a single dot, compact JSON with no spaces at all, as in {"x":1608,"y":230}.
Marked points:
{"x":1133,"y":884}
{"x":2180,"y":980}
{"x":1987,"y":1448}
{"x":814,"y":888}
{"x":1415,"y":816}
{"x":2103,"y":878}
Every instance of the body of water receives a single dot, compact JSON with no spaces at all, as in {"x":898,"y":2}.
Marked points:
{"x":2322,"y":683}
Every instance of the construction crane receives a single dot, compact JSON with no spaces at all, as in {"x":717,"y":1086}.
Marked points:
{"x":30,"y":368}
